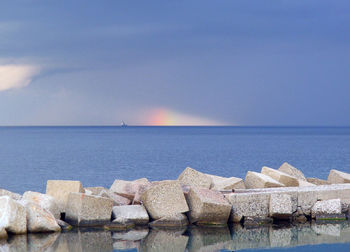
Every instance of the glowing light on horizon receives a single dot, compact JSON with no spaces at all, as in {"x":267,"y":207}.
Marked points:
{"x":166,"y":117}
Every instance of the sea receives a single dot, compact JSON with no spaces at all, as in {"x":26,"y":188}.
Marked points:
{"x":29,"y":156}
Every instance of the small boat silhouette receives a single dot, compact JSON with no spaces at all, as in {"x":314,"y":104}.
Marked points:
{"x":123,"y":124}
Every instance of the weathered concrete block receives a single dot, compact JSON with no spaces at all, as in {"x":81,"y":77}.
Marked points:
{"x":176,"y":220}
{"x":88,"y":210}
{"x":281,"y":177}
{"x":60,"y":190}
{"x":13,"y":195}
{"x":164,"y":198}
{"x":129,"y":189}
{"x":258,"y":180}
{"x":40,"y":220}
{"x":207,"y":206}
{"x":292,"y":171}
{"x":3,"y":234}
{"x":45,"y":201}
{"x":338,"y":177}
{"x":13,"y":216}
{"x":195,"y":178}
{"x":281,"y":206}
{"x":136,"y":214}
{"x":248,"y":204}
{"x":317,"y":181}
{"x":117,"y":199}
{"x":327,"y":207}
{"x":95,"y":190}
{"x":222,"y":183}
{"x":303,"y":183}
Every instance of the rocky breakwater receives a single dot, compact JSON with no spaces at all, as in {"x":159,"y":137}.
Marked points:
{"x":195,"y":198}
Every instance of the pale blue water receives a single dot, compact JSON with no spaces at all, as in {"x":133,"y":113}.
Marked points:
{"x":98,"y":155}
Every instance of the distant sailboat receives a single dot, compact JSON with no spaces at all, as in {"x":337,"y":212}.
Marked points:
{"x":123,"y":124}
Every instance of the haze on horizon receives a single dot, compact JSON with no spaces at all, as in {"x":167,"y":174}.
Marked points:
{"x":175,"y":62}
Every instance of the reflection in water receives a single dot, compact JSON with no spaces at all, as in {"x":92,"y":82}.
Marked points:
{"x":193,"y":239}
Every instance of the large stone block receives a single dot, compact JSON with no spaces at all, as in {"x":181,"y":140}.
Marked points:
{"x":60,"y":190}
{"x":164,"y":198}
{"x":195,"y":178}
{"x":117,"y":199}
{"x":136,"y":214}
{"x":317,"y":181}
{"x":258,"y":180}
{"x":281,"y":206}
{"x":281,"y":177}
{"x":40,"y":220}
{"x":95,"y":190}
{"x":248,"y":204}
{"x":45,"y":201}
{"x":129,"y":189}
{"x":327,"y":207}
{"x":88,"y":210}
{"x":13,"y":216}
{"x":303,"y":183}
{"x":292,"y":171}
{"x":222,"y":183}
{"x":207,"y":206}
{"x":176,"y":220}
{"x":13,"y":195}
{"x":338,"y":177}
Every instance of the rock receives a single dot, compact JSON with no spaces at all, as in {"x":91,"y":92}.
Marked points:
{"x":60,"y":189}
{"x":248,"y":204}
{"x":117,"y":199}
{"x":88,"y":192}
{"x":327,"y":207}
{"x":95,"y":190}
{"x":281,"y":206}
{"x":292,"y":171}
{"x":3,"y":234}
{"x":303,"y":183}
{"x":221,"y":183}
{"x":45,"y":201}
{"x":176,"y":220}
{"x":139,"y":192}
{"x":136,"y":214}
{"x":164,"y":198}
{"x":40,"y":220}
{"x":13,"y":195}
{"x":13,"y":216}
{"x":281,"y":177}
{"x":258,"y":180}
{"x":64,"y":225}
{"x":195,"y":178}
{"x":317,"y":181}
{"x":88,"y":210}
{"x":338,"y":177}
{"x":129,"y":189}
{"x":207,"y":206}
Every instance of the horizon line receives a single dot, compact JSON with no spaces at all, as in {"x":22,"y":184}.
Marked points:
{"x":145,"y":125}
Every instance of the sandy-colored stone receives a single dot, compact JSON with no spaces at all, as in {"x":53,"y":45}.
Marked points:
{"x":3,"y":234}
{"x":281,"y":206}
{"x":258,"y":180}
{"x":129,"y":189}
{"x":338,"y":177}
{"x":88,"y":210}
{"x":117,"y":199}
{"x":222,"y":183}
{"x":60,"y":190}
{"x":248,"y":204}
{"x":176,"y":220}
{"x":207,"y":206}
{"x":136,"y":214}
{"x":164,"y":198}
{"x":95,"y":190}
{"x":303,"y":183}
{"x":195,"y":178}
{"x":326,"y":207}
{"x":281,"y":177}
{"x":13,"y":216}
{"x":40,"y":220}
{"x":292,"y":171}
{"x":317,"y":181}
{"x":45,"y":201}
{"x":13,"y":195}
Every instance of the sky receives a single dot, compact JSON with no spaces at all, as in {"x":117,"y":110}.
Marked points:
{"x":224,"y":62}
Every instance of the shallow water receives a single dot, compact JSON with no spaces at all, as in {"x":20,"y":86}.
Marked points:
{"x":322,"y":237}
{"x":29,"y":156}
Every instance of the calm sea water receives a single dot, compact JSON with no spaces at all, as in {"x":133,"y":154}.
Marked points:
{"x":29,"y":156}
{"x":98,"y":155}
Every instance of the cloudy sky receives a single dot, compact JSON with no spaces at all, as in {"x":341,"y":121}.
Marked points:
{"x":224,"y":62}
